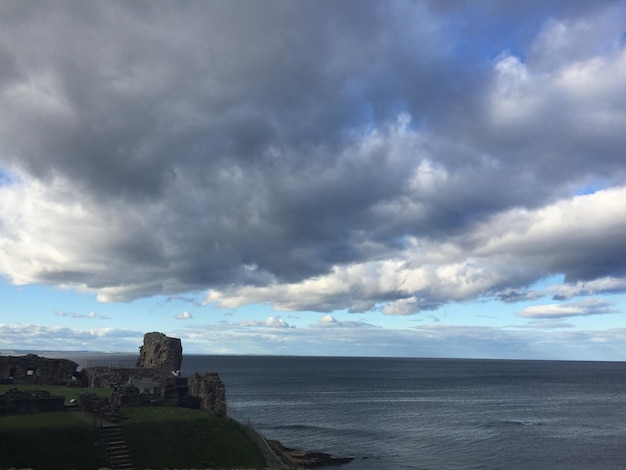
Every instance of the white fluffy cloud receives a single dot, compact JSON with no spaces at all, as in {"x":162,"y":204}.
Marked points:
{"x":31,"y":337}
{"x":373,"y":162}
{"x":270,"y":322}
{"x":434,"y":339}
{"x":571,"y":309}
{"x":508,"y":250}
{"x":91,"y":315}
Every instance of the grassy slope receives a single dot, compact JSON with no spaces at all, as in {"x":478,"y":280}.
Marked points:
{"x":160,"y":437}
{"x":157,"y":437}
{"x":56,"y":440}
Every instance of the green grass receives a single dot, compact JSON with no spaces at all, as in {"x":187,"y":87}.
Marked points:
{"x":161,"y":437}
{"x":67,"y":392}
{"x":157,"y":437}
{"x":54,"y":441}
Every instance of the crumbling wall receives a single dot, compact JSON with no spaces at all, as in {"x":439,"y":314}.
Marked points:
{"x":156,"y":379}
{"x":16,"y":401}
{"x":160,"y":352}
{"x":107,"y":376}
{"x":154,"y":384}
{"x":211,"y":391}
{"x":127,"y":395}
{"x":32,"y":369}
{"x":102,"y":376}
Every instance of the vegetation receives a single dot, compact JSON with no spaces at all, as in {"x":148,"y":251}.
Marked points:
{"x":160,"y":437}
{"x":54,"y":441}
{"x":157,"y":437}
{"x":68,"y":392}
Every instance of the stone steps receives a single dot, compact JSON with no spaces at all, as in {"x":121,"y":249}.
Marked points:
{"x":119,"y":456}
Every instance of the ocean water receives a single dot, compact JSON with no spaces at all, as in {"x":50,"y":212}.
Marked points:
{"x":395,"y":413}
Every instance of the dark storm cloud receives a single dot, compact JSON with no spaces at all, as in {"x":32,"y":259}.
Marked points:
{"x":267,"y":149}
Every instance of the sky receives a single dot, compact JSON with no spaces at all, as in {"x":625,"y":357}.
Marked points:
{"x":351,"y":178}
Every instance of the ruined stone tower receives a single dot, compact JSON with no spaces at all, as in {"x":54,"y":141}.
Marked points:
{"x":152,"y":380}
{"x":160,"y":352}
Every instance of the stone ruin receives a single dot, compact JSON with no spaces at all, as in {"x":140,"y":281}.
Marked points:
{"x":32,"y":369}
{"x":157,"y":380}
{"x":160,"y":352}
{"x":16,"y":401}
{"x":210,"y":391}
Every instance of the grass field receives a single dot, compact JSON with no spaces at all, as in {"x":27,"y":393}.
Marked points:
{"x":161,"y":437}
{"x":157,"y":437}
{"x":55,"y":441}
{"x":68,"y":392}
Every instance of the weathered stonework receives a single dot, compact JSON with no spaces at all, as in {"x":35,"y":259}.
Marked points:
{"x":32,"y":369}
{"x":156,"y":379}
{"x":211,"y":391}
{"x":95,"y":404}
{"x":16,"y":401}
{"x":160,"y":352}
{"x":108,"y":376}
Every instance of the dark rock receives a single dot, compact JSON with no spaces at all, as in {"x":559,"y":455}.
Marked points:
{"x":304,"y":459}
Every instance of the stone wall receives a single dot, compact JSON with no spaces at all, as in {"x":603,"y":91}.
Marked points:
{"x":118,"y":376}
{"x":108,"y":376}
{"x":16,"y":401}
{"x":155,"y":385}
{"x":211,"y":391}
{"x":160,"y":352}
{"x":156,"y":379}
{"x":32,"y":369}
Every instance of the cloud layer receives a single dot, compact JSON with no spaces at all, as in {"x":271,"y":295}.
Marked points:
{"x":326,"y":337}
{"x":313,"y":155}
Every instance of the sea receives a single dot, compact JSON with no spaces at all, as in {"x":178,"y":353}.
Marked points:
{"x":407,"y":413}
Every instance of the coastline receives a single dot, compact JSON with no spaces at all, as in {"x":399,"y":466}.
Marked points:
{"x":304,"y":459}
{"x":277,"y":456}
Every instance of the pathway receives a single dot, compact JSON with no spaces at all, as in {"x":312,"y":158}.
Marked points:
{"x":114,"y":442}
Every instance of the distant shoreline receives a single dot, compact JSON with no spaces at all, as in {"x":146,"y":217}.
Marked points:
{"x":44,"y":352}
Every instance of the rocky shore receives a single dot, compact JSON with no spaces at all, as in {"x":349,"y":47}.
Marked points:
{"x":304,"y":459}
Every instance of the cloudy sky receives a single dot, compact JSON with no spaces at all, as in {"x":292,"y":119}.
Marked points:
{"x":387,"y":178}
